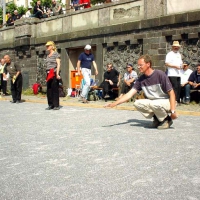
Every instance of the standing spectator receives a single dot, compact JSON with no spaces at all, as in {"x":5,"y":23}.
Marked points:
{"x":53,"y":70}
{"x":76,"y":5}
{"x":3,"y":79}
{"x":160,"y":97}
{"x":10,"y":21}
{"x":174,"y":63}
{"x":111,"y":80}
{"x":185,"y":86}
{"x":129,"y":78}
{"x":16,"y":15}
{"x":37,"y":10}
{"x":85,"y":3}
{"x":85,"y":61}
{"x":56,"y":8}
{"x":16,"y":78}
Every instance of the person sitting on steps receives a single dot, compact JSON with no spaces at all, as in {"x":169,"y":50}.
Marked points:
{"x":129,"y":79}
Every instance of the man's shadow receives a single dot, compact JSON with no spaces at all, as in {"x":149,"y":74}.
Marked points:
{"x":132,"y":122}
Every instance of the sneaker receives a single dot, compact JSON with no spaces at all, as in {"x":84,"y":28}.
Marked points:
{"x":18,"y":101}
{"x":85,"y":100}
{"x":56,"y":108}
{"x":166,"y":123}
{"x":155,"y":122}
{"x":106,"y":96}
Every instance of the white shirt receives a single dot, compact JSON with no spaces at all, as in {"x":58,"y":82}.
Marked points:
{"x":185,"y":75}
{"x":173,"y":59}
{"x":131,"y":75}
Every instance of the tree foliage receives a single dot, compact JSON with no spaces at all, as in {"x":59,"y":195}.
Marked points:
{"x":93,"y":2}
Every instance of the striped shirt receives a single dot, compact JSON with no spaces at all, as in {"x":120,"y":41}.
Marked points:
{"x":51,"y":61}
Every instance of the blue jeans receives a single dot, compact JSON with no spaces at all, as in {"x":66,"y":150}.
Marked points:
{"x":186,"y":92}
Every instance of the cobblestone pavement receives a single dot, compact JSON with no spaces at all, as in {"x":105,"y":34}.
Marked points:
{"x":191,"y":109}
{"x":81,"y":153}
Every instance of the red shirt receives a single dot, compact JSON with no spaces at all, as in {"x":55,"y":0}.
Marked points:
{"x":85,"y":1}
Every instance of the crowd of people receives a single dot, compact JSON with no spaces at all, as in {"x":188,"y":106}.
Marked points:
{"x":38,"y":11}
{"x":163,"y":91}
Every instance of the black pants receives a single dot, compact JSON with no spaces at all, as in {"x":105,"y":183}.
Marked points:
{"x":107,"y":87}
{"x":126,"y":88}
{"x":176,"y":84}
{"x":16,"y":88}
{"x":3,"y":84}
{"x":53,"y":92}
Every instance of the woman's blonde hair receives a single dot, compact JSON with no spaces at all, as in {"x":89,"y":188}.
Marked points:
{"x":51,"y":43}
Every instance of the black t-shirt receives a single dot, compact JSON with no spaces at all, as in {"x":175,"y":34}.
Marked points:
{"x":194,"y":77}
{"x":15,"y":17}
{"x":9,"y":21}
{"x":112,"y":75}
{"x":35,"y":9}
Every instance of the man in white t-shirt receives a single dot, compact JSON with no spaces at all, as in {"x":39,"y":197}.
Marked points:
{"x":185,"y":86}
{"x":174,"y":63}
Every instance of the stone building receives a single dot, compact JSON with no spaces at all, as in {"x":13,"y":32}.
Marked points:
{"x":118,"y":32}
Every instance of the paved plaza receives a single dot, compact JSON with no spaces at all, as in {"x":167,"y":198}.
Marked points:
{"x":80,"y":153}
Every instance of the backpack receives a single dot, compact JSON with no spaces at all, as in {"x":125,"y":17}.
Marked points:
{"x":92,"y":95}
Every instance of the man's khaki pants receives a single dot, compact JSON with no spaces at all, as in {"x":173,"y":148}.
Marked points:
{"x":159,"y":107}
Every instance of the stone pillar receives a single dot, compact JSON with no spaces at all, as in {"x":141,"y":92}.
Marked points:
{"x":65,"y":73}
{"x":99,"y":61}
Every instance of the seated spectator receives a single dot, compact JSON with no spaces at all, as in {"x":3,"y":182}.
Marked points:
{"x":194,"y":79}
{"x":111,"y":80}
{"x":185,"y":86}
{"x":76,"y":5}
{"x":10,"y":21}
{"x":84,"y":3}
{"x":16,"y":15}
{"x":37,"y":10}
{"x":129,"y":78}
{"x":56,"y":8}
{"x":28,"y":12}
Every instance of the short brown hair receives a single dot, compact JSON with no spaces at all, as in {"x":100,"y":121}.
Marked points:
{"x":147,"y":59}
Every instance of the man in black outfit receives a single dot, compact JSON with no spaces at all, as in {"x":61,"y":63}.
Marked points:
{"x":111,"y":80}
{"x":38,"y":11}
{"x":16,"y":78}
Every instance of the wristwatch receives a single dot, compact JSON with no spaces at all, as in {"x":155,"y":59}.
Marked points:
{"x":173,"y":111}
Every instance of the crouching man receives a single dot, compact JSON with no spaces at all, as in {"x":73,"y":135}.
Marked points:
{"x":160,"y":96}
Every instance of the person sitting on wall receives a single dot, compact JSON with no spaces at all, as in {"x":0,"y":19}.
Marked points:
{"x":28,"y":13}
{"x":111,"y":80}
{"x":185,"y":86}
{"x":56,"y":8}
{"x":129,"y":78}
{"x":10,"y":21}
{"x":16,"y":15}
{"x":37,"y":10}
{"x":84,"y":3}
{"x":76,"y":5}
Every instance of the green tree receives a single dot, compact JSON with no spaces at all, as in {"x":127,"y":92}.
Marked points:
{"x":1,"y":16}
{"x":93,"y":2}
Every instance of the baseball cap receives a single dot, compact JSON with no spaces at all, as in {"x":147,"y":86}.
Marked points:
{"x":87,"y":47}
{"x":186,"y":63}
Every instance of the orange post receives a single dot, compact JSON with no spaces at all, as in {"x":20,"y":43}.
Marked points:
{"x":75,"y":79}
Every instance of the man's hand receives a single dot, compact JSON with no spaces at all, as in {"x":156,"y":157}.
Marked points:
{"x":110,"y":105}
{"x":96,"y":72}
{"x":174,"y":116}
{"x":111,"y":83}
